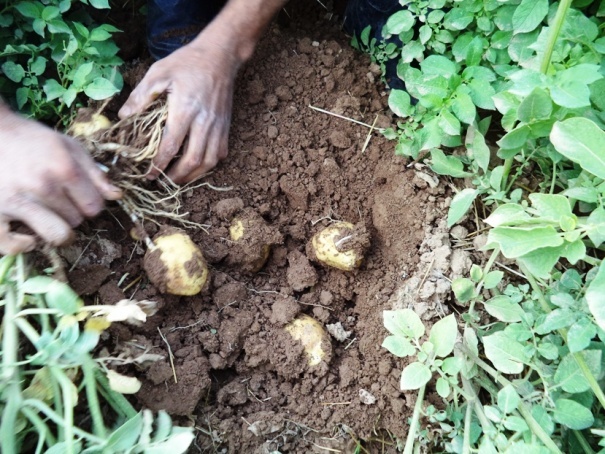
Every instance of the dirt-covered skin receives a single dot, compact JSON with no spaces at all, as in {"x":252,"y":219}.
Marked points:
{"x":240,"y":376}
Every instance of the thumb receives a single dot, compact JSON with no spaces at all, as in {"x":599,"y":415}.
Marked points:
{"x":147,"y":91}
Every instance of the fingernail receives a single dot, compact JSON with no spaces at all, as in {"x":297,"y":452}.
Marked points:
{"x":124,"y":112}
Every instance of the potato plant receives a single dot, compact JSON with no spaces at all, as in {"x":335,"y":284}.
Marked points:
{"x":48,"y":337}
{"x":52,"y":53}
{"x":508,"y":94}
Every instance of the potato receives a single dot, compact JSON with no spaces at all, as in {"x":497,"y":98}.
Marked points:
{"x":312,"y":336}
{"x":87,"y":125}
{"x":340,"y":245}
{"x":176,"y":265}
{"x":251,"y":240}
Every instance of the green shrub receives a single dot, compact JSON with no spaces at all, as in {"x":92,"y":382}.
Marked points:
{"x":52,"y":53}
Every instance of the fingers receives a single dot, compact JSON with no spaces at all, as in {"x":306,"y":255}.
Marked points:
{"x":180,"y":116}
{"x":98,"y":179}
{"x":146,"y":92}
{"x":50,"y":226}
{"x":216,"y":150}
{"x":194,"y":155}
{"x":13,"y":243}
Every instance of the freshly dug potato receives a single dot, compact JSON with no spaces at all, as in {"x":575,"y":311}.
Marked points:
{"x":176,"y":265}
{"x":252,"y":239}
{"x":341,"y":245}
{"x":88,"y":124}
{"x":311,"y":335}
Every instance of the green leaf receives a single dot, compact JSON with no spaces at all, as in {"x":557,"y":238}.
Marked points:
{"x":70,"y":95}
{"x":557,"y":319}
{"x":583,"y":142}
{"x":404,"y":323}
{"x":461,"y":202}
{"x":550,"y":206}
{"x":542,"y":417}
{"x":100,"y":4}
{"x":569,"y":376}
{"x":53,"y":89}
{"x":438,"y":65}
{"x":22,"y":96}
{"x":580,"y":335}
{"x":516,"y":138}
{"x":570,"y":94}
{"x":400,"y":103}
{"x":463,"y":289}
{"x":32,"y":10}
{"x":400,"y":22}
{"x":508,"y":399}
{"x":518,"y":241}
{"x":492,"y":279}
{"x":474,"y":52}
{"x":13,"y":71}
{"x":415,"y":376}
{"x":100,"y":88}
{"x":596,"y":226}
{"x":125,"y":437}
{"x":464,"y":108}
{"x":50,"y":12}
{"x":506,"y":354}
{"x":99,"y":34}
{"x":443,"y":387}
{"x":60,"y":296}
{"x":452,"y":365}
{"x":37,"y":284}
{"x":38,"y":66}
{"x":537,"y":106}
{"x":449,"y":123}
{"x":477,"y":149}
{"x":515,"y":423}
{"x":80,"y":75}
{"x":443,"y":336}
{"x":542,"y":261}
{"x":595,"y":296}
{"x":504,"y":309}
{"x":399,"y":346}
{"x":572,"y":414}
{"x":508,"y":214}
{"x":447,"y":165}
{"x":529,"y":14}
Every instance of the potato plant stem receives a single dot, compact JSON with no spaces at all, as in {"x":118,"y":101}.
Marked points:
{"x":67,"y":388}
{"x":98,"y":426}
{"x":58,"y":420}
{"x":594,"y":385}
{"x":409,"y":442}
{"x":522,"y":408}
{"x":555,"y":30}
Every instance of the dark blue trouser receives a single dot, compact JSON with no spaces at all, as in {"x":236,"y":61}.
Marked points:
{"x":173,"y":23}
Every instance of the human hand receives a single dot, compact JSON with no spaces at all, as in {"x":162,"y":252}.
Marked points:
{"x":47,"y":181}
{"x":198,"y":79}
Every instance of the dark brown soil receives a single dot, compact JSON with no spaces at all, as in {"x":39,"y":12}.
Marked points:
{"x":238,"y":376}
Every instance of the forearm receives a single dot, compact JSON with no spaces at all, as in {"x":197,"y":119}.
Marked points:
{"x":240,"y":24}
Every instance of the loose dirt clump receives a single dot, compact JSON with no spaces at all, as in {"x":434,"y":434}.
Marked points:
{"x":238,"y":375}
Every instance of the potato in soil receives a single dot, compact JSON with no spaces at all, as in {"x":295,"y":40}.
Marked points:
{"x":341,"y":245}
{"x":314,"y":339}
{"x":176,"y":265}
{"x":252,"y":239}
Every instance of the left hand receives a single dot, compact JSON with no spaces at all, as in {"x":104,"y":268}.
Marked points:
{"x":198,"y":79}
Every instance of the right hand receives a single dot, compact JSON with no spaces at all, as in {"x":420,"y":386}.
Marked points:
{"x":47,"y":182}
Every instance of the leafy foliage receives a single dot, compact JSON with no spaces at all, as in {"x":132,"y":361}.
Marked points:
{"x":52,"y":53}
{"x":509,"y":94}
{"x":39,"y":390}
